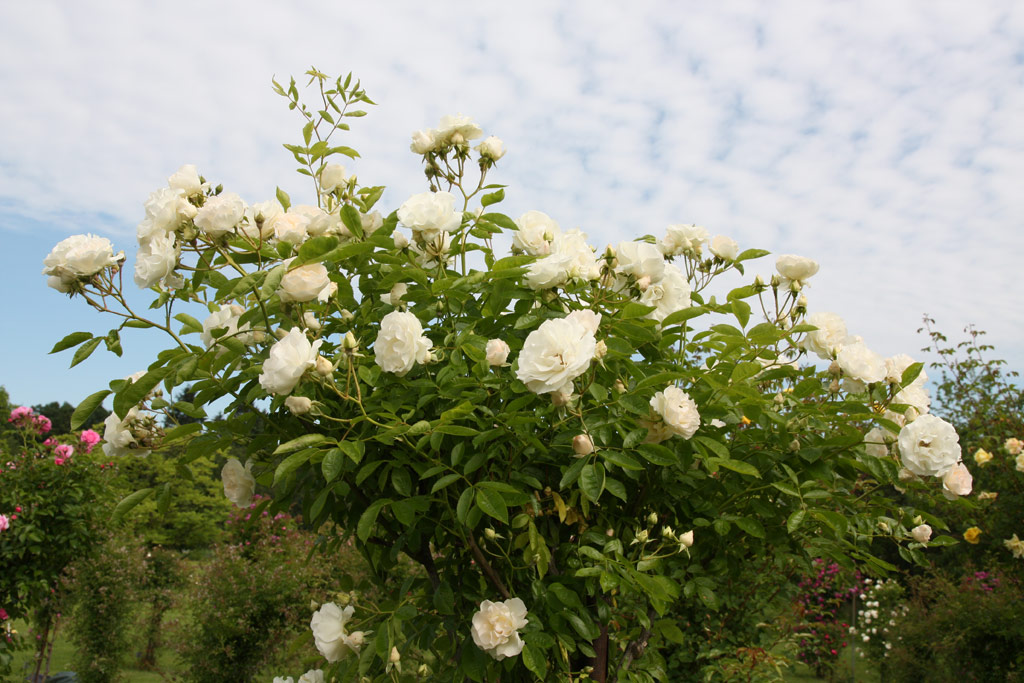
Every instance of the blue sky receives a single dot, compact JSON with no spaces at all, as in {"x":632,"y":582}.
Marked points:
{"x":881,"y":139}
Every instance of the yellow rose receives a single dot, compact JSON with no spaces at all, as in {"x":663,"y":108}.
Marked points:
{"x":982,"y":456}
{"x":972,"y":534}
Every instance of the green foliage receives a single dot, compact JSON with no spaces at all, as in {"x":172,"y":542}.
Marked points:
{"x":967,"y":631}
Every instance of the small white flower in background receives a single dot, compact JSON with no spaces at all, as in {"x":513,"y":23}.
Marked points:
{"x":394,"y":297}
{"x":497,"y":352}
{"x":639,"y":259}
{"x":571,"y":258}
{"x":496,"y":627}
{"x":491,"y":148}
{"x":186,"y":180}
{"x":896,"y":365}
{"x":76,"y":258}
{"x":430,"y":213}
{"x":668,"y":295}
{"x":536,"y":231}
{"x":401,"y":241}
{"x":329,"y":634}
{"x":796,"y":268}
{"x":156,"y":260}
{"x":298,"y":405}
{"x":725,"y":248}
{"x":717,"y":423}
{"x":554,"y":354}
{"x":582,"y":444}
{"x":1014,"y":446}
{"x":400,"y":344}
{"x":686,"y":539}
{"x":456,"y":129}
{"x":957,"y":482}
{"x":239,"y":484}
{"x":332,"y":176}
{"x":310,"y":321}
{"x":317,"y":221}
{"x":683,"y":239}
{"x":225,"y":317}
{"x":220,"y":214}
{"x":290,"y":226}
{"x":423,"y":141}
{"x":922,"y":533}
{"x":875,"y":443}
{"x":118,"y":437}
{"x":929,"y":446}
{"x":916,"y":398}
{"x":677,"y":411}
{"x":258,"y":222}
{"x":828,"y":338}
{"x":1020,"y":462}
{"x":289,"y":359}
{"x":312,"y":676}
{"x":306,"y":283}
{"x":1015,"y":546}
{"x":861,"y":363}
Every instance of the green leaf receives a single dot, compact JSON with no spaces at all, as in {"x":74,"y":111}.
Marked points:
{"x":657,"y":454}
{"x":672,"y":633}
{"x":741,"y":309}
{"x":73,"y":339}
{"x":313,"y":250}
{"x":134,"y":393}
{"x":795,"y":520}
{"x":634,"y":310}
{"x":492,"y":503}
{"x":751,"y":526}
{"x":129,"y":502}
{"x":300,"y":442}
{"x":369,"y":517}
{"x":462,"y":508}
{"x":592,"y":481}
{"x":331,"y":466}
{"x":908,"y":377}
{"x":492,"y":198}
{"x":444,"y":481}
{"x":282,"y":196}
{"x":352,"y":220}
{"x":683,"y":315}
{"x":272,"y":281}
{"x":181,"y":431}
{"x":291,"y":463}
{"x":736,"y":466}
{"x":87,"y":408}
{"x":716,"y":447}
{"x":751,"y":253}
{"x":535,"y":661}
{"x":189,"y":323}
{"x":85,"y":350}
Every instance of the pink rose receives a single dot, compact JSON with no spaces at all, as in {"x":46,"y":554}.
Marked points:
{"x":89,"y":439}
{"x":42,"y":424}
{"x":4,"y":523}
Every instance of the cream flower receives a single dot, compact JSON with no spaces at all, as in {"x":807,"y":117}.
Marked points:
{"x":289,"y":359}
{"x":118,"y":437}
{"x":677,"y":411}
{"x":220,"y":214}
{"x":186,"y":180}
{"x":683,"y":239}
{"x":536,"y":231}
{"x":554,"y":354}
{"x":167,"y":209}
{"x":669,"y":294}
{"x":491,"y":148}
{"x":400,"y":344}
{"x":306,"y":283}
{"x":639,"y":259}
{"x":981,"y":456}
{"x":239,"y":484}
{"x":1015,"y":546}
{"x":796,"y":268}
{"x":78,"y":257}
{"x":1014,"y":446}
{"x":430,"y":213}
{"x":156,"y":261}
{"x":929,"y":446}
{"x":725,"y":248}
{"x":496,"y":627}
{"x":875,"y":443}
{"x":497,"y":352}
{"x":828,"y":338}
{"x":332,"y":177}
{"x":225,"y":317}
{"x":1020,"y":462}
{"x":571,"y":258}
{"x":922,"y":533}
{"x":957,"y":481}
{"x":290,"y":226}
{"x":861,"y":363}
{"x":456,"y":129}
{"x":329,"y":633}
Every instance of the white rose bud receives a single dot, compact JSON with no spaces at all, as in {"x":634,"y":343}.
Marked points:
{"x":601,"y":351}
{"x":619,"y":387}
{"x":796,"y":268}
{"x":582,"y":444}
{"x":324,"y":368}
{"x":921,"y":533}
{"x":401,"y":241}
{"x":643,"y":283}
{"x":492,"y":148}
{"x":310,"y":321}
{"x":497,"y":352}
{"x":394,"y":657}
{"x":298,"y":405}
{"x":347,"y":316}
{"x":686,"y":539}
{"x":331,"y":177}
{"x":668,"y":532}
{"x":725,"y":248}
{"x":652,"y":518}
{"x":560,"y":399}
{"x":350,"y":343}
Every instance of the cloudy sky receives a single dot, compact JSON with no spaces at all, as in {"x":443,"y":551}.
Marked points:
{"x":882,"y":139}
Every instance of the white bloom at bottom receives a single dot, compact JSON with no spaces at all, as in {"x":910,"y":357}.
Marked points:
{"x":401,"y":343}
{"x":957,"y":481}
{"x":496,"y":627}
{"x":677,"y":410}
{"x":288,"y":361}
{"x":329,"y":634}
{"x":312,"y":676}
{"x":556,"y":353}
{"x":922,"y":533}
{"x":239,"y":484}
{"x":929,"y":446}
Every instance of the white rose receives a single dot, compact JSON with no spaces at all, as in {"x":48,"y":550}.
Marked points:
{"x":725,"y":248}
{"x":916,"y":396}
{"x":77,"y":258}
{"x":258,"y":222}
{"x":317,"y":221}
{"x":497,"y":352}
{"x":329,"y":634}
{"x":310,"y":321}
{"x":225,"y":317}
{"x":669,"y":294}
{"x":681,"y":239}
{"x":686,"y":539}
{"x":875,"y":443}
{"x":186,"y":180}
{"x":118,"y":436}
{"x":491,"y":148}
{"x":312,"y":676}
{"x":828,"y":338}
{"x":394,"y":297}
{"x":371,"y":222}
{"x":554,"y":354}
{"x":456,"y":129}
{"x":306,"y":283}
{"x":896,"y":365}
{"x":401,"y":241}
{"x":423,"y":141}
{"x":496,"y":627}
{"x":591,"y":321}
{"x":929,"y":446}
{"x":922,"y":533}
{"x":550,"y":271}
{"x":536,"y":231}
{"x":434,"y":252}
{"x":639,"y":259}
{"x":580,"y":264}
{"x":582,"y":444}
{"x":156,"y":260}
{"x":958,"y":481}
{"x":298,"y":405}
{"x":677,"y":410}
{"x":400,"y":344}
{"x":797,"y":268}
{"x":289,"y":359}
{"x":861,"y":363}
{"x":239,"y":484}
{"x":429,"y":213}
{"x":331,"y":177}
{"x":166,"y":210}
{"x":290,"y":226}
{"x":220,"y":214}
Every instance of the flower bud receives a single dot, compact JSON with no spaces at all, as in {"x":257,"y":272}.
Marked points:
{"x":779,"y":399}
{"x":610,"y":533}
{"x":643,"y":283}
{"x":582,"y":444}
{"x":423,"y":671}
{"x":497,"y":352}
{"x":324,"y":368}
{"x":619,"y":387}
{"x":394,"y":657}
{"x":652,"y":518}
{"x":490,"y":534}
{"x":641,"y":537}
{"x":559,"y":398}
{"x":401,"y":241}
{"x":299,"y":405}
{"x":280,"y":333}
{"x":310,"y":321}
{"x":346,"y":315}
{"x":686,"y":539}
{"x":758,"y":281}
{"x":601,"y":350}
{"x":350,"y":343}
{"x":802,"y":302}
{"x":795,"y":286}
{"x":833,"y":386}
{"x":667,"y":532}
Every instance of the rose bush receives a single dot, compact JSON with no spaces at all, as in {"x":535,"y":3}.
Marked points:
{"x":530,"y":429}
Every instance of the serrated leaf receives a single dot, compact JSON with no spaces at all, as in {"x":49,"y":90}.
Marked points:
{"x":87,"y":408}
{"x":592,"y":481}
{"x":492,"y":503}
{"x":129,"y":502}
{"x":73,"y":339}
{"x":535,"y":661}
{"x":369,"y":517}
{"x":331,"y":466}
{"x":85,"y":350}
{"x":300,"y":442}
{"x":292,"y":463}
